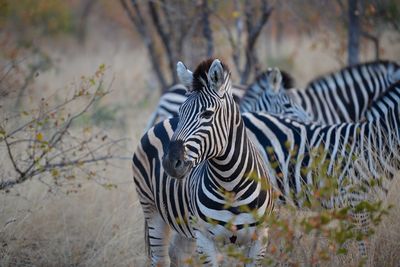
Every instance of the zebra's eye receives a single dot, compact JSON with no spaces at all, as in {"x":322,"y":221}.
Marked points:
{"x":287,"y":105}
{"x":206,"y":114}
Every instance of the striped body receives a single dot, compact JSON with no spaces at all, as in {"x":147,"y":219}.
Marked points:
{"x":344,"y":96}
{"x":201,"y":176}
{"x":377,"y":137}
{"x":370,"y":142}
{"x":174,"y":199}
{"x":374,"y":143}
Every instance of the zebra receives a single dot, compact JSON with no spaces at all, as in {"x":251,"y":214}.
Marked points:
{"x":345,"y":95}
{"x":169,"y":103}
{"x":354,"y":151}
{"x":264,"y":82}
{"x":183,"y":168}
{"x":272,"y":97}
{"x":371,"y":142}
{"x":379,"y":133}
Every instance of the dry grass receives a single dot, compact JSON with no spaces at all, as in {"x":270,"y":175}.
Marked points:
{"x":104,"y":227}
{"x":386,"y":245}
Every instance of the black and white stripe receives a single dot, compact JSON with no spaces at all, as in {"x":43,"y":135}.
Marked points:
{"x":345,"y":95}
{"x":210,"y":157}
{"x":263,"y":83}
{"x":169,"y":103}
{"x":354,"y":150}
{"x":375,"y":142}
{"x":267,"y":94}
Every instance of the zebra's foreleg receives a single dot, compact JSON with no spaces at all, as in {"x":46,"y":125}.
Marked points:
{"x":362,"y":221}
{"x":258,"y":248}
{"x":158,"y":236}
{"x":206,"y":247}
{"x":181,"y":250}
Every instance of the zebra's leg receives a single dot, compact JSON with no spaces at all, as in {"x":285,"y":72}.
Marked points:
{"x":362,"y":221}
{"x":206,"y":247}
{"x":157,"y":240}
{"x":181,"y":249}
{"x":259,"y":247}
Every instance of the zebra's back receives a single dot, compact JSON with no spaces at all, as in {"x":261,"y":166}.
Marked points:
{"x":344,"y":96}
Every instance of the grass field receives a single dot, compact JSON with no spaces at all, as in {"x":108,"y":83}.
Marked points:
{"x":98,"y":226}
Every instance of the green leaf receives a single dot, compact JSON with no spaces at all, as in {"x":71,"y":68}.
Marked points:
{"x":39,"y":136}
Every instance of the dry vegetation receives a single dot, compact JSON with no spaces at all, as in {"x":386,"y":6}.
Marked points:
{"x":99,"y":225}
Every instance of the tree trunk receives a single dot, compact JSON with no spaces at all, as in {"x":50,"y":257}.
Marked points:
{"x":207,"y":32}
{"x":353,"y":33}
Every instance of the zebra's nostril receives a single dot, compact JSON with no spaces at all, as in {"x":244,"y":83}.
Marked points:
{"x":178,"y":163}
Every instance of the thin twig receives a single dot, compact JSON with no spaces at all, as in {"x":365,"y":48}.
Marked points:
{"x":10,"y":155}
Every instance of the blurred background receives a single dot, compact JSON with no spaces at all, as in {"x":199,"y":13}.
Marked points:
{"x":79,"y":79}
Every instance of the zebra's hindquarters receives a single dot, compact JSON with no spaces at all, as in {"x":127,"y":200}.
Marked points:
{"x":153,"y":187}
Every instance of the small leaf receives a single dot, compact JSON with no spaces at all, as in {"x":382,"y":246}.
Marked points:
{"x":2,"y":132}
{"x":235,"y":14}
{"x":54,"y":172}
{"x":39,"y":137}
{"x":109,"y":186}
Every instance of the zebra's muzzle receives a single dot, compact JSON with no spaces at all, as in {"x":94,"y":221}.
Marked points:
{"x":174,"y":162}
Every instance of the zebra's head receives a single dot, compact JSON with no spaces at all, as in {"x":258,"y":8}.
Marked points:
{"x":276,"y":100}
{"x":204,"y":118}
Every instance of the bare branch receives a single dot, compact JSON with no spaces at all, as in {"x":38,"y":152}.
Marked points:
{"x":4,"y":185}
{"x":235,"y":43}
{"x":373,"y":39}
{"x":253,"y":31}
{"x":165,"y":37}
{"x":207,"y":32}
{"x":11,"y":156}
{"x":60,"y":150}
{"x":141,"y":26}
{"x":57,"y":107}
{"x":167,"y":14}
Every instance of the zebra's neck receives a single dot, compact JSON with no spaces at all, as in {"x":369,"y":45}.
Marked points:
{"x":237,"y":163}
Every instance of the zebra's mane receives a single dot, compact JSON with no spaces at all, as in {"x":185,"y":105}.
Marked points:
{"x":200,"y":74}
{"x":287,"y":80}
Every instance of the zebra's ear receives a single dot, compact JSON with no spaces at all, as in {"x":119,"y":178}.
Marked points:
{"x":185,"y":76}
{"x":216,"y":76}
{"x":275,"y":79}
